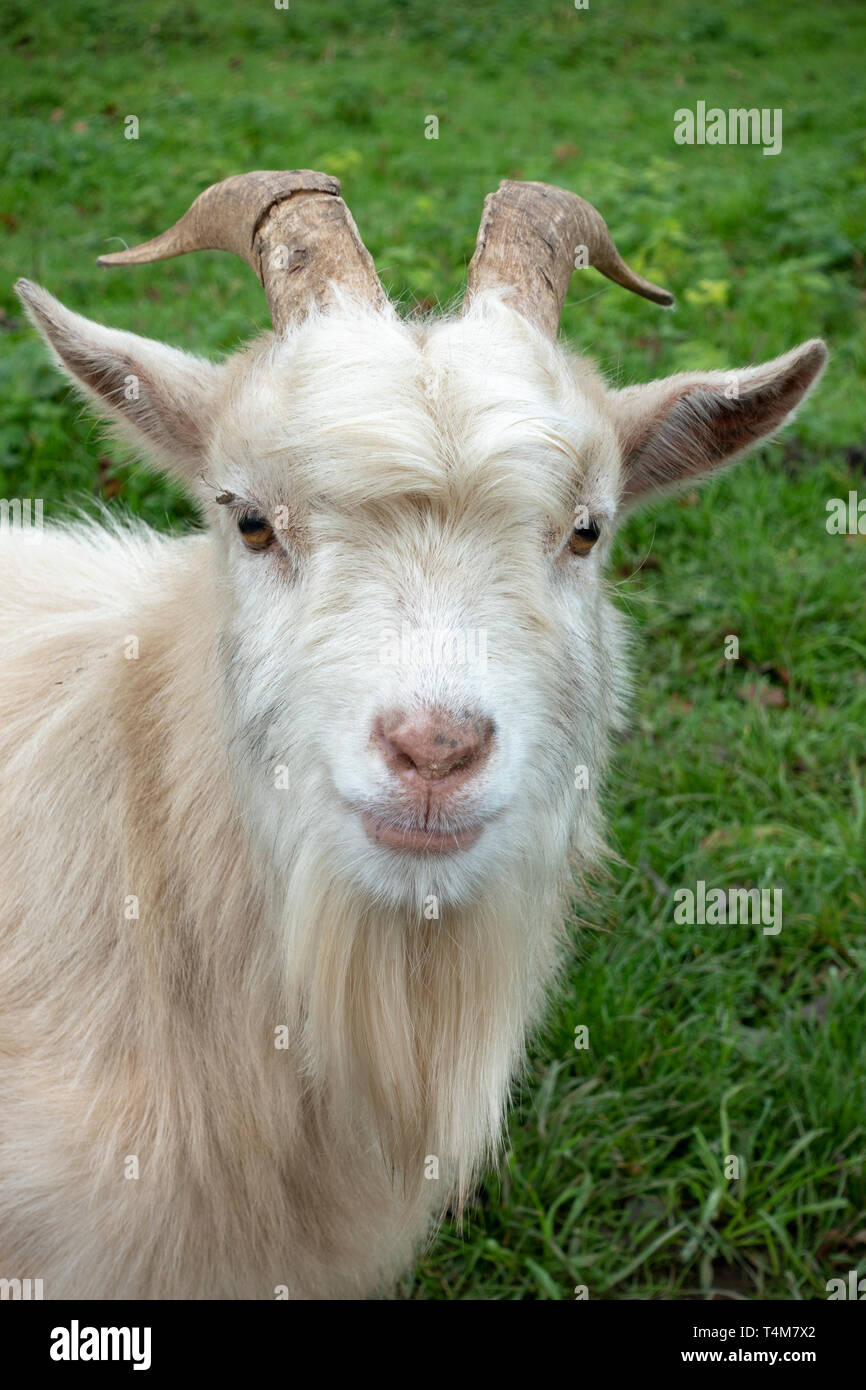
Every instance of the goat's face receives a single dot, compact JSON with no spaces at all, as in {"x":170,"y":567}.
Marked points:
{"x":419,"y":655}
{"x":421,"y":668}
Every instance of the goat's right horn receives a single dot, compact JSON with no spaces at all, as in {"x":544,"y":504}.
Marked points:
{"x":292,"y":227}
{"x":527,"y":242}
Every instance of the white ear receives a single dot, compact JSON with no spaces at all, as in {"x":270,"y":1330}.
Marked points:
{"x":161,"y":399}
{"x":685,"y":427}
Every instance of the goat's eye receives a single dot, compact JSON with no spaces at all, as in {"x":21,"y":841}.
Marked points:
{"x":583,"y":538}
{"x":256,"y":531}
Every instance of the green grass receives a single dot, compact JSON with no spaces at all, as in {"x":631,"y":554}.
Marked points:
{"x":704,"y":1041}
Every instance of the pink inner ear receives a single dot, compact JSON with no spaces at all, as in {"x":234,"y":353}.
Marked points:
{"x":169,"y":411}
{"x":678,"y":431}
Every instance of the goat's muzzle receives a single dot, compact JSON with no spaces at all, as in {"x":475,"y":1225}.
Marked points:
{"x":432,"y":758}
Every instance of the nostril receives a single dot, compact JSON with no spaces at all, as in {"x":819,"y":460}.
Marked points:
{"x":434,"y":744}
{"x":402,"y":761}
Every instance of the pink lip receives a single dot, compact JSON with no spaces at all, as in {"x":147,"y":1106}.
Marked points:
{"x":384,"y":832}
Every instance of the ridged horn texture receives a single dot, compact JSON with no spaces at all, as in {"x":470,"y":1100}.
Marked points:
{"x":528,"y":241}
{"x":291,"y":226}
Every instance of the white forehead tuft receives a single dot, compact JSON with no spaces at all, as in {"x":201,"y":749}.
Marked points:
{"x":353,"y":407}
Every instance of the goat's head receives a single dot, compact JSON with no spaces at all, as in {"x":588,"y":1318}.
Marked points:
{"x":421,"y":666}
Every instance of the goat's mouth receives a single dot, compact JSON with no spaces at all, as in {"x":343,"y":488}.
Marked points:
{"x":393,"y":836}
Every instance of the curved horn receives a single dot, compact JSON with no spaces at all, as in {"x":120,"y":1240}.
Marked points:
{"x":528,"y":240}
{"x":291,"y":226}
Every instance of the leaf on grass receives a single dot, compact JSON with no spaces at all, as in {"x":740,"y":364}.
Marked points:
{"x":837,"y":1239}
{"x":780,"y":675}
{"x":815,"y":1011}
{"x":770,"y":696}
{"x":110,"y":484}
{"x":716,"y":838}
{"x":679,"y":704}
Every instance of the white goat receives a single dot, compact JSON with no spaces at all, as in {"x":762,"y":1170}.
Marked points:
{"x":278,"y":906}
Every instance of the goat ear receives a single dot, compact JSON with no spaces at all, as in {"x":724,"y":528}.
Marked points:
{"x":686,"y":427}
{"x":161,"y":399}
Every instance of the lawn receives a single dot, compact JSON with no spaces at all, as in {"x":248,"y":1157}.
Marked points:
{"x":706,"y":1043}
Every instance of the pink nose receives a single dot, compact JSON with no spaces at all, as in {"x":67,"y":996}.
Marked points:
{"x":433,"y":746}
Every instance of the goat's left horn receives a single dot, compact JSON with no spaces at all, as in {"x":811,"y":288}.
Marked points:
{"x":292,"y":227}
{"x":528,"y":242}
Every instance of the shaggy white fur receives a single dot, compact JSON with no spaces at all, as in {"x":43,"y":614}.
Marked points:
{"x":206,"y":965}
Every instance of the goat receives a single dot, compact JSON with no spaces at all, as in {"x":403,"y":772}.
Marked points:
{"x":284,"y":882}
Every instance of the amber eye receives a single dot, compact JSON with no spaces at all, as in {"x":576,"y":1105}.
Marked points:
{"x":256,"y":530}
{"x":583,"y":538}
